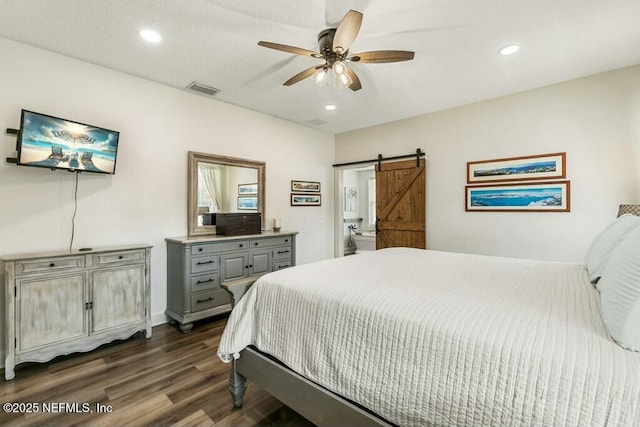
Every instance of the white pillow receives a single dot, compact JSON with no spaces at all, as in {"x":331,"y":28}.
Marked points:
{"x":620,"y":295}
{"x":604,"y":244}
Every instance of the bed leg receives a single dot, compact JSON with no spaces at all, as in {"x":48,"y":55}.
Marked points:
{"x":237,"y":386}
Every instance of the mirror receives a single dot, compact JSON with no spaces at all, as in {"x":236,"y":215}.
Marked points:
{"x":219,"y":184}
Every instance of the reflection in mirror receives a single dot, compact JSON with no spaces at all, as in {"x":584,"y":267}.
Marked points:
{"x":220,"y":184}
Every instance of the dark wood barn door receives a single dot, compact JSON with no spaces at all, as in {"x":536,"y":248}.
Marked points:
{"x":400,"y":204}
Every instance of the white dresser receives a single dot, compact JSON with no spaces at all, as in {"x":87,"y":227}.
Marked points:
{"x":198,"y":267}
{"x":68,"y":301}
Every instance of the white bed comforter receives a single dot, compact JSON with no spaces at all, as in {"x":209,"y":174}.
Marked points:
{"x":437,"y":338}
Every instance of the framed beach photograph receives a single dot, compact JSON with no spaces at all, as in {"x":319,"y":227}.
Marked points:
{"x":247,"y":189}
{"x":542,"y":166}
{"x":521,"y":197}
{"x":305,"y":199}
{"x":305,"y":187}
{"x":247,"y":203}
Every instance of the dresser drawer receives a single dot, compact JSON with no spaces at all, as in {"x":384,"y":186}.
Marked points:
{"x":122,"y":257}
{"x":235,"y":245}
{"x":282,"y":253}
{"x":205,"y":281}
{"x":205,"y":263}
{"x":209,"y":299}
{"x":50,"y":264}
{"x":279,"y":265}
{"x":269,"y":242}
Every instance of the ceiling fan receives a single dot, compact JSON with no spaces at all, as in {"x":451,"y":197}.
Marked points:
{"x":334,"y":44}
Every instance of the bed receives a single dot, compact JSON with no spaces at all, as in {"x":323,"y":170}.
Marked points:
{"x":418,"y":337}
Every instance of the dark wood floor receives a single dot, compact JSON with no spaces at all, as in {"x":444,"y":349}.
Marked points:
{"x":171,"y":379}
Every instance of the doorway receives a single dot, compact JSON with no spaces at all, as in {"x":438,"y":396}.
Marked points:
{"x":383,"y":208}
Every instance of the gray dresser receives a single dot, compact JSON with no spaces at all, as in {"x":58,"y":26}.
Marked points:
{"x":66,"y":301}
{"x":198,"y":268}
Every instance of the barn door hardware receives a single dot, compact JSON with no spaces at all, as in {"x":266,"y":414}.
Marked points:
{"x":418,"y":154}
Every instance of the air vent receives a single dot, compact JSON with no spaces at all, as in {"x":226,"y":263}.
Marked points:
{"x":316,"y":122}
{"x":207,"y":90}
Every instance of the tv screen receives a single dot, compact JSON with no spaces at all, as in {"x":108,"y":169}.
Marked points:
{"x":55,"y":143}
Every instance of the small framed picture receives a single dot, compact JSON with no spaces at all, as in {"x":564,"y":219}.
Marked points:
{"x":306,"y":199}
{"x":247,"y":203}
{"x":305,"y":187}
{"x":247,"y":189}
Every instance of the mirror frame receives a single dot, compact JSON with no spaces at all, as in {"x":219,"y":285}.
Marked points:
{"x":192,"y":196}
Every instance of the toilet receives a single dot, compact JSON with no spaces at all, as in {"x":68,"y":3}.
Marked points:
{"x":365,"y":242}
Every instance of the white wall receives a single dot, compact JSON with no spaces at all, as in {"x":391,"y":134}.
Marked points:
{"x":145,"y":201}
{"x":595,"y":120}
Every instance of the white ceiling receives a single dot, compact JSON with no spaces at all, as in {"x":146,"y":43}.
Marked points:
{"x":456,"y":42}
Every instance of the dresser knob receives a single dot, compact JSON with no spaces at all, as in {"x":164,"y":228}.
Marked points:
{"x":120,"y":257}
{"x":240,"y":245}
{"x":52,"y":265}
{"x":199,"y":249}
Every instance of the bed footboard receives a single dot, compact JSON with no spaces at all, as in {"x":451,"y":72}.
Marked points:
{"x":315,"y":403}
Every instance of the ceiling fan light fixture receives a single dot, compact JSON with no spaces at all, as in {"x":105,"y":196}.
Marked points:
{"x":320,"y":77}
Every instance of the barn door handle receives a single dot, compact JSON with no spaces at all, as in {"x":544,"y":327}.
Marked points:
{"x":377,"y":225}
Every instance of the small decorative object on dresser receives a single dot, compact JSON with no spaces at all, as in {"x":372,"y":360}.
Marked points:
{"x":203,"y":273}
{"x":67,"y":301}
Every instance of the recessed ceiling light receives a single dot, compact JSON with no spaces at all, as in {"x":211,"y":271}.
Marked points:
{"x":509,"y":50}
{"x":330,"y":107}
{"x":150,"y":36}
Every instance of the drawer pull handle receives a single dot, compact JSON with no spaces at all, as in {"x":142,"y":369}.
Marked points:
{"x":286,"y":240}
{"x":204,"y":300}
{"x":199,"y":249}
{"x":283,"y":266}
{"x":255,"y":244}
{"x":240,"y":245}
{"x":283,"y":252}
{"x":204,"y":262}
{"x":53,"y":264}
{"x":120,"y":257}
{"x":199,"y":282}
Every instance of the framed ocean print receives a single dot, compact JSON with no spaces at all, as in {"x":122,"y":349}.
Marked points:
{"x":519,"y":197}
{"x":305,"y":187}
{"x":247,"y":203}
{"x":306,"y":199}
{"x":538,"y":167}
{"x":247,"y":189}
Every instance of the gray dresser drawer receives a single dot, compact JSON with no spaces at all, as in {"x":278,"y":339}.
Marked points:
{"x":205,"y":281}
{"x":209,"y":299}
{"x":122,"y":257}
{"x":50,"y":264}
{"x":282,"y":253}
{"x":234,"y":245}
{"x":269,"y":242}
{"x":279,"y":265}
{"x":202,"y":264}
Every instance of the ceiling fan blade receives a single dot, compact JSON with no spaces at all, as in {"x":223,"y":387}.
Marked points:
{"x":382,"y":56}
{"x":290,"y":49}
{"x":347,"y":31}
{"x":302,"y":75}
{"x":355,"y":81}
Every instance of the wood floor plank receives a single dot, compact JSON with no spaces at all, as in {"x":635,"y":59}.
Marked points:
{"x":169,"y":379}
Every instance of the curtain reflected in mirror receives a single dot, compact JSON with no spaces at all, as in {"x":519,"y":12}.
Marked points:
{"x":220,"y":184}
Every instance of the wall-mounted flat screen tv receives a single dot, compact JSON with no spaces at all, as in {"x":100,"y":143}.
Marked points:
{"x":55,"y":143}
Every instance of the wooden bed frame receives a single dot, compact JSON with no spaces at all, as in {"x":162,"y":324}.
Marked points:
{"x":317,"y":404}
